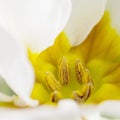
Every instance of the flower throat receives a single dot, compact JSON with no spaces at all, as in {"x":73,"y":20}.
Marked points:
{"x":62,"y":71}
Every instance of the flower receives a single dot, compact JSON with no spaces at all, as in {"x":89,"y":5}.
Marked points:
{"x":98,"y":52}
{"x":63,"y":60}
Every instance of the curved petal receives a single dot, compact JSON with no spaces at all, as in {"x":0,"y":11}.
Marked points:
{"x":105,"y":109}
{"x":85,"y":15}
{"x":15,"y":69}
{"x":35,"y":22}
{"x":60,"y":112}
{"x":113,"y":8}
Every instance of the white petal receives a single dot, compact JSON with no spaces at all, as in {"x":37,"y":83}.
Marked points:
{"x":60,"y":112}
{"x":113,"y":7}
{"x":15,"y":68}
{"x":110,"y":109}
{"x":35,"y":22}
{"x":85,"y":15}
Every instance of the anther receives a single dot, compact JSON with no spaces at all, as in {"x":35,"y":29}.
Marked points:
{"x":56,"y":96}
{"x":63,"y":71}
{"x":82,"y":96}
{"x":79,"y":70}
{"x":51,"y":82}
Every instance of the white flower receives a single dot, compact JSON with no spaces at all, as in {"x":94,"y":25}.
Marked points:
{"x":35,"y":24}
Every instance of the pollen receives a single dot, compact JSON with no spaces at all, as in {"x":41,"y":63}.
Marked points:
{"x":52,"y":83}
{"x":79,"y":70}
{"x":63,"y":71}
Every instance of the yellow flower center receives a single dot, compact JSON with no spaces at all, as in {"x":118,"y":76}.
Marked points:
{"x":78,"y":72}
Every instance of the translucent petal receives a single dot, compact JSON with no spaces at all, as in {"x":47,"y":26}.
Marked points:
{"x":85,"y":15}
{"x":35,"y":22}
{"x":15,"y":69}
{"x":113,"y":8}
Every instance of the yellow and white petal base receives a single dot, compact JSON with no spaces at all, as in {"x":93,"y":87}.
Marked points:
{"x":16,"y":70}
{"x":35,"y":22}
{"x":85,"y":15}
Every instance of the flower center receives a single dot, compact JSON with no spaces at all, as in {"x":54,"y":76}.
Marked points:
{"x":56,"y":83}
{"x":64,"y":72}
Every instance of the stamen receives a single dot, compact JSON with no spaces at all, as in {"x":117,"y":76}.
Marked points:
{"x":52,"y":83}
{"x":63,"y":71}
{"x":82,"y":74}
{"x":87,"y":78}
{"x":79,"y":70}
{"x":56,"y":96}
{"x":82,"y":96}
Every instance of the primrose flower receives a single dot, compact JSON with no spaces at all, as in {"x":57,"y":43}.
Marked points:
{"x":82,"y":64}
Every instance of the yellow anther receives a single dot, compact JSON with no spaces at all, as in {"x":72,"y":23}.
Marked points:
{"x":83,"y":95}
{"x":63,"y":71}
{"x":52,"y":83}
{"x":86,"y":76}
{"x":82,"y":74}
{"x":79,"y":70}
{"x":87,"y":90}
{"x":78,"y":96}
{"x":56,"y":96}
